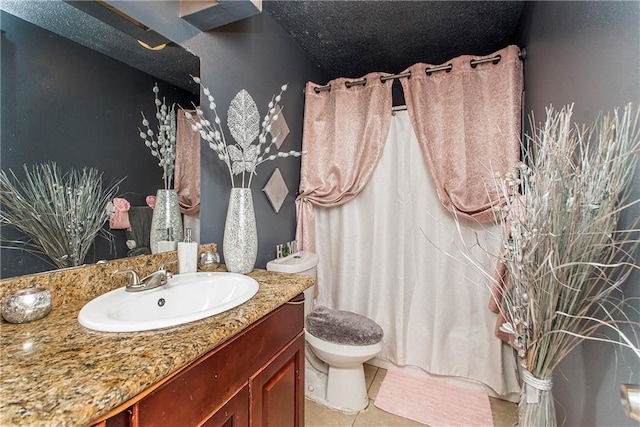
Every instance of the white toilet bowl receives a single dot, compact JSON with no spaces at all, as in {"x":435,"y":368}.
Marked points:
{"x":346,"y":387}
{"x":340,"y":343}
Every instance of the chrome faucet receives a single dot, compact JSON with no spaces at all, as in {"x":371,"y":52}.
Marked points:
{"x":153,"y":280}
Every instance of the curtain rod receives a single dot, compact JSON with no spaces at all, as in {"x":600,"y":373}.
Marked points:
{"x":474,"y":62}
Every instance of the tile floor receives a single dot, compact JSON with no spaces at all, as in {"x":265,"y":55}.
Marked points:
{"x":504,"y":413}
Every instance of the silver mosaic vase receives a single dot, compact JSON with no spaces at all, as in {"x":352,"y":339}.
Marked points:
{"x":240,"y":240}
{"x":166,"y":222}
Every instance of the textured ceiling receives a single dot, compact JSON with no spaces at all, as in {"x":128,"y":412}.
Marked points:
{"x":352,"y":38}
{"x":173,"y":64}
{"x":344,"y":38}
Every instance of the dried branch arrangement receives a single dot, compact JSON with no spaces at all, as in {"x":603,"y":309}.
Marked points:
{"x":61,"y":213}
{"x":565,"y":258}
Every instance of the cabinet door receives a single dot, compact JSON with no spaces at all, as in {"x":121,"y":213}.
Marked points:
{"x":191,"y":396}
{"x":123,"y":419}
{"x":277,"y":389}
{"x":234,"y":413}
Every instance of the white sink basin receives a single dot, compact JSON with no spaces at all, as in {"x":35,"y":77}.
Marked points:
{"x":185,"y":298}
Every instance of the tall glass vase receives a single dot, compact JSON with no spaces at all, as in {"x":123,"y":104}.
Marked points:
{"x":166,"y":223}
{"x":240,"y":241}
{"x":536,"y":407}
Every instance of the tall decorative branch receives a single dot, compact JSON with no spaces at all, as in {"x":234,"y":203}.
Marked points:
{"x":162,"y":142}
{"x":243,"y":121}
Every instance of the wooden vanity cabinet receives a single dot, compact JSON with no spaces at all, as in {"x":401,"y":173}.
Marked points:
{"x":254,"y":379}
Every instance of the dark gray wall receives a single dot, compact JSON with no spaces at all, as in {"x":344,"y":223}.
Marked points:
{"x":253,"y":54}
{"x":65,"y":103}
{"x":587,"y":53}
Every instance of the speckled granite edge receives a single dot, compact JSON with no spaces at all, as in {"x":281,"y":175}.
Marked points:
{"x":54,"y":372}
{"x":87,"y":282}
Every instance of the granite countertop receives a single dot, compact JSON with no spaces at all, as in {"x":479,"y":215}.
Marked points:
{"x":57,"y":373}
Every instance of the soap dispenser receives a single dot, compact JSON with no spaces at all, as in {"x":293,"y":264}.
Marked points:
{"x":188,"y":254}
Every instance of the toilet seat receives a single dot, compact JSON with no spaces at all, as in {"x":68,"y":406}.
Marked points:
{"x":342,"y":327}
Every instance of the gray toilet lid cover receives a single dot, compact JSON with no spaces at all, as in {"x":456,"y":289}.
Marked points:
{"x":342,"y":327}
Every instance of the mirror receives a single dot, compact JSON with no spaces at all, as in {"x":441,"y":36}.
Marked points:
{"x":73,"y":88}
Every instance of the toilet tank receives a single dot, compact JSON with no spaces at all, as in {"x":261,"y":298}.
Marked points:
{"x":302,"y":262}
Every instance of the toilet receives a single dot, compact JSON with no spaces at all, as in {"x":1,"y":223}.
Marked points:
{"x":337,"y":344}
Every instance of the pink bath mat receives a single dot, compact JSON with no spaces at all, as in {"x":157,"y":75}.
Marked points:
{"x":436,"y":404}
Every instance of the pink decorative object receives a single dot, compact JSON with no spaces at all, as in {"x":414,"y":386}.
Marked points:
{"x":187,"y":170}
{"x":119,"y":220}
{"x":276,"y":190}
{"x":151,"y":201}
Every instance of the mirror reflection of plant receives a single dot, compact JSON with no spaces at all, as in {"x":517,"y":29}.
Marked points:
{"x":162,"y":143}
{"x":62,"y":213}
{"x":243,"y":121}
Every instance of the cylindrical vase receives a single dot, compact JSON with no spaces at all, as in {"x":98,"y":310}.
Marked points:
{"x":166,"y":222}
{"x":240,"y":241}
{"x":536,"y":407}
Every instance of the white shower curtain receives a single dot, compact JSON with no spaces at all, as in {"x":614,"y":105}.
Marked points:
{"x":393,"y":254}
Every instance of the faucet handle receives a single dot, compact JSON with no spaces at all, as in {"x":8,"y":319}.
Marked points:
{"x":135,"y":279}
{"x":164,"y":265}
